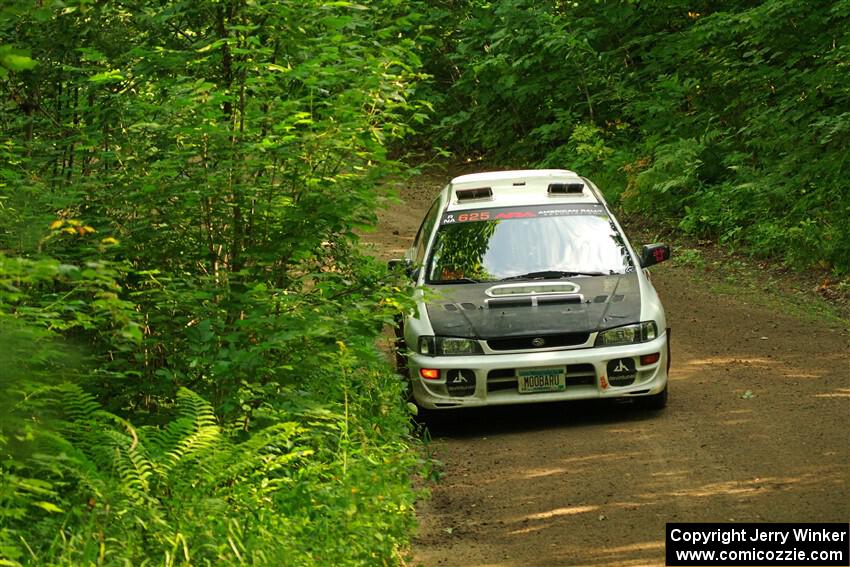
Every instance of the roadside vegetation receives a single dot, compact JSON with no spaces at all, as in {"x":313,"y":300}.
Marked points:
{"x":188,"y":370}
{"x":187,"y":330}
{"x":721,"y":119}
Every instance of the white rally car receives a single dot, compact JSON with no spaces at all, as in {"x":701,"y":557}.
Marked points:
{"x":528,"y":292}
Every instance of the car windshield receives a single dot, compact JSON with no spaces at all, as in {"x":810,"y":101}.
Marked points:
{"x":526,"y":243}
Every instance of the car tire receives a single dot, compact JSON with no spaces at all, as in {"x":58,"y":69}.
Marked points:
{"x":400,"y":347}
{"x":400,"y":361}
{"x":657,"y":401}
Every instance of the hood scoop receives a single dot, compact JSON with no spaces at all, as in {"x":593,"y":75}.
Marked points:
{"x":534,"y":300}
{"x":532,"y":294}
{"x":509,"y":302}
{"x":532,"y":289}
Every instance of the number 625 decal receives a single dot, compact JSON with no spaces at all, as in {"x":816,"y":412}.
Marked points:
{"x":469,"y":217}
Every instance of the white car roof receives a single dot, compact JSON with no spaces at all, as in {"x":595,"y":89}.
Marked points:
{"x":520,"y":187}
{"x":509,"y":176}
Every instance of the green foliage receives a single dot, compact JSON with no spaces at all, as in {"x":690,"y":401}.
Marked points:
{"x":509,"y":76}
{"x":689,"y":257}
{"x":192,"y":375}
{"x":192,"y":492}
{"x":725,"y":118}
{"x":67,"y":297}
{"x":667,"y":184}
{"x":311,"y":471}
{"x":14,"y":60}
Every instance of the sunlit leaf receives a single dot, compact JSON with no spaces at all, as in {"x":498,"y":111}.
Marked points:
{"x":107,"y":77}
{"x":48,"y":507}
{"x":16,"y":61}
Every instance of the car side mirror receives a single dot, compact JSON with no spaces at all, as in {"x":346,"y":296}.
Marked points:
{"x":406,"y":265}
{"x":652,"y":254}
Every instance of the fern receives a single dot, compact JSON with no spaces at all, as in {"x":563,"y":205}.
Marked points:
{"x":132,"y":466}
{"x":190,"y":435}
{"x":185,"y":492}
{"x":77,"y":404}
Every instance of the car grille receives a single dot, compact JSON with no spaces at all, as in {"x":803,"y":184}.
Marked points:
{"x":525,"y":343}
{"x":505,"y":378}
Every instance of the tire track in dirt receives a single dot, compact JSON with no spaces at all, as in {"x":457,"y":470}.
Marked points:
{"x":595,"y":484}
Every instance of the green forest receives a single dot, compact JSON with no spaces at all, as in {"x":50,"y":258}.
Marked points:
{"x":188,"y":364}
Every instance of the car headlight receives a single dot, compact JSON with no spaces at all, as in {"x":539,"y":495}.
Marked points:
{"x":448,"y":346}
{"x":628,"y":334}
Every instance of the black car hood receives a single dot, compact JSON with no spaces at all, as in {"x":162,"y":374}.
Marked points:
{"x":600,"y":302}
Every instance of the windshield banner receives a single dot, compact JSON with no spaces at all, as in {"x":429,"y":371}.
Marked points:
{"x":527,"y":212}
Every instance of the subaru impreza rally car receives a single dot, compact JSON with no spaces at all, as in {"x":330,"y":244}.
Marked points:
{"x":528,"y":291}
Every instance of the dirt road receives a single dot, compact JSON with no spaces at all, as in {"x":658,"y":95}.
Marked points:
{"x":757,"y":430}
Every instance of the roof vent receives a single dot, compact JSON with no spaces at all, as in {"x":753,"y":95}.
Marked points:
{"x":477,"y":193}
{"x":565,"y":188}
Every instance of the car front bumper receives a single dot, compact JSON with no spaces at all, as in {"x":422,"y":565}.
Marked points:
{"x":496,"y":383}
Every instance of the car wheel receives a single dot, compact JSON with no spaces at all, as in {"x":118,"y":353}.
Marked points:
{"x":656,"y":401}
{"x":400,"y":361}
{"x":400,"y":347}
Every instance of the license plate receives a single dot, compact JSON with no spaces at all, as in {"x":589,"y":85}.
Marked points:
{"x":535,"y":380}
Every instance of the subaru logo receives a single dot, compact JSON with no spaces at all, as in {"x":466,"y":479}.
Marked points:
{"x":538,"y":341}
